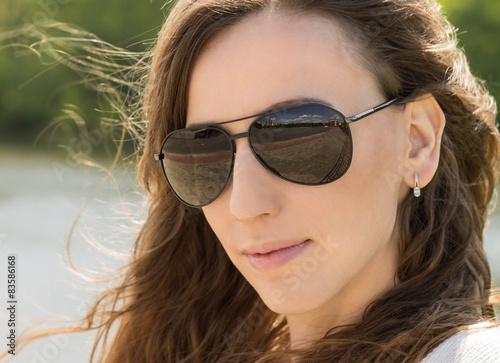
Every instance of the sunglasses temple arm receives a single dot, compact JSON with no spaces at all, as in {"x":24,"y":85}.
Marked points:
{"x":369,"y":112}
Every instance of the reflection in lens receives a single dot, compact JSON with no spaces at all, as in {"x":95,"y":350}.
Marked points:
{"x":309,"y":144}
{"x":197,"y":164}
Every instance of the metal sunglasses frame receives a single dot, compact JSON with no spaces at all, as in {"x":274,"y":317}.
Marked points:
{"x":348,"y":120}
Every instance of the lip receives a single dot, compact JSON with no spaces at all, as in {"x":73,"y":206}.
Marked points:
{"x":272,"y":255}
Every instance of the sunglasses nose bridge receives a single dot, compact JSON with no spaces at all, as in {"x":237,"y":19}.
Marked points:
{"x":237,"y":136}
{"x":240,"y":136}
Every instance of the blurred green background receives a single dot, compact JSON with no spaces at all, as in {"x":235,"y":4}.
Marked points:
{"x":34,"y":92}
{"x":31,"y":94}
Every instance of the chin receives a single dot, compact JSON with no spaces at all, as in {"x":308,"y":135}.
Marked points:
{"x":287,"y":302}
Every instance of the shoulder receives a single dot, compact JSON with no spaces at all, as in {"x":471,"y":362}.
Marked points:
{"x":480,"y":344}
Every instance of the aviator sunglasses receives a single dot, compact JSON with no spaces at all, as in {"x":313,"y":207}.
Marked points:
{"x":309,"y":144}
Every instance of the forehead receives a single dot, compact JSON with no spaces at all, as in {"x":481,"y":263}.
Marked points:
{"x":270,"y":59}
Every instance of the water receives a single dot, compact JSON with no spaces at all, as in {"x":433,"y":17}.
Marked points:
{"x":39,"y":199}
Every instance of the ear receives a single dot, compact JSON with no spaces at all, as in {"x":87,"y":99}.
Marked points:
{"x":424,"y":124}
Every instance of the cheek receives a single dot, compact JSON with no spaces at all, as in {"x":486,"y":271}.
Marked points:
{"x":216,"y":218}
{"x":363,"y":203}
{"x":377,"y":165}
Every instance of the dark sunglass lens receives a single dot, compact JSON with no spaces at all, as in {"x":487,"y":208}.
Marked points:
{"x":308,"y":144}
{"x":197,"y":164}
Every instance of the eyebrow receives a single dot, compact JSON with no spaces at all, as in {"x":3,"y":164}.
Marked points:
{"x":274,"y":107}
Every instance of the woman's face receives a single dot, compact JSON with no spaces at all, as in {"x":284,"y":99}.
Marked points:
{"x":350,"y":225}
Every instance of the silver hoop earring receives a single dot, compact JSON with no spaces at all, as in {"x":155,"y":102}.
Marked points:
{"x":416,"y":189}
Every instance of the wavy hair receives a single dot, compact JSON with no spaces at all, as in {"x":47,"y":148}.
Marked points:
{"x":182,"y":300}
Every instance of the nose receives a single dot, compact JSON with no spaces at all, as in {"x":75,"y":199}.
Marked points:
{"x":254,"y":191}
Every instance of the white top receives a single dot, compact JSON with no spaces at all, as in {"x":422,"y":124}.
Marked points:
{"x":479,"y":345}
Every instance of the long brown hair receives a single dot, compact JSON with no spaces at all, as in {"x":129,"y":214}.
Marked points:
{"x":182,"y":300}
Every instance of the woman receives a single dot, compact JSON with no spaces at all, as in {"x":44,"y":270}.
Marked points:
{"x":317,"y":238}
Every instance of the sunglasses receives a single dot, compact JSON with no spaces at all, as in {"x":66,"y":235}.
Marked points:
{"x":309,"y":144}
